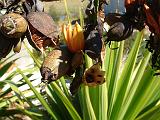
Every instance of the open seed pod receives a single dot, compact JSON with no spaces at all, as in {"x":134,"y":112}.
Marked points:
{"x":56,"y":64}
{"x":42,"y":30}
{"x":13,"y":25}
{"x":94,"y":76}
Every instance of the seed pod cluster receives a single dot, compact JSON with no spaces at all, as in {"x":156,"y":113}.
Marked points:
{"x":39,"y":33}
{"x":16,"y":25}
{"x":61,"y":62}
{"x":12,"y":27}
{"x":139,"y":13}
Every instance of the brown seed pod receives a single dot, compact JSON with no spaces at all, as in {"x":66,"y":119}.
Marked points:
{"x":112,"y":18}
{"x":94,"y":76}
{"x":42,"y":31}
{"x":13,"y":25}
{"x":6,"y":45}
{"x":56,"y":64}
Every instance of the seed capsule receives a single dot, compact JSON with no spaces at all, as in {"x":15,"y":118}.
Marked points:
{"x":6,"y":45}
{"x":13,"y":25}
{"x":56,"y":64}
{"x":42,"y":32}
{"x":94,"y":76}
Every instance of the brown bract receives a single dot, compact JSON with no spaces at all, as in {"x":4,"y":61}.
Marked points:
{"x":42,"y":30}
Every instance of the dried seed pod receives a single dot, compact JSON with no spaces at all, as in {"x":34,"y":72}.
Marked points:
{"x":112,"y":18}
{"x":6,"y":45}
{"x":42,"y":32}
{"x":56,"y":64}
{"x":94,"y":76}
{"x":119,"y":31}
{"x":93,"y":44}
{"x":13,"y":25}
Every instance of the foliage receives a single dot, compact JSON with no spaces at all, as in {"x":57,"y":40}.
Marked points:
{"x":131,"y":90}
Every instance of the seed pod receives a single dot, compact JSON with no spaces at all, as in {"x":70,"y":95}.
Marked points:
{"x":93,"y":44}
{"x":94,"y":76}
{"x":13,"y":25}
{"x":42,"y":32}
{"x":56,"y":64}
{"x":112,"y":18}
{"x":119,"y":31}
{"x":6,"y":45}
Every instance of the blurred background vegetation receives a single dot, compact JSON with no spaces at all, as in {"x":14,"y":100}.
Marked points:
{"x":57,"y":9}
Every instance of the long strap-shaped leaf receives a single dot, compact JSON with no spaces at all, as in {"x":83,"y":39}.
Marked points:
{"x":134,"y":86}
{"x":74,"y":114}
{"x":125,"y":77}
{"x":40,"y":98}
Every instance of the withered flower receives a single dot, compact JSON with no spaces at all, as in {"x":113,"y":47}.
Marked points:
{"x":151,"y":21}
{"x":74,"y":38}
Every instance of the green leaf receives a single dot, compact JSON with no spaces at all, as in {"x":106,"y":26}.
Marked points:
{"x":38,"y":63}
{"x":114,"y":76}
{"x":134,"y":86}
{"x":143,"y":94}
{"x":152,"y":114}
{"x":66,"y":101}
{"x":40,"y":98}
{"x":125,"y":77}
{"x":4,"y":68}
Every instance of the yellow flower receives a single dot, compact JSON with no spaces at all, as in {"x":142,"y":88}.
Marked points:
{"x":74,"y":38}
